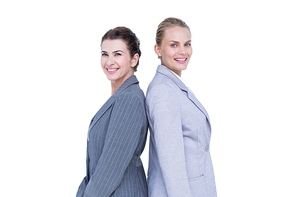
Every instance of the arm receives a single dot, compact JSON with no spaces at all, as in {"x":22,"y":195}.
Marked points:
{"x":164,"y":110}
{"x":120,"y":144}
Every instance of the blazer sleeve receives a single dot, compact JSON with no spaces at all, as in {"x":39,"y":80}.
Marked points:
{"x":120,"y":144}
{"x":164,"y":111}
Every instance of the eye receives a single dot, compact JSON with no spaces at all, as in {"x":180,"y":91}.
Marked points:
{"x":188,"y":44}
{"x":104,"y":55}
{"x":117,"y":54}
{"x":173,"y":45}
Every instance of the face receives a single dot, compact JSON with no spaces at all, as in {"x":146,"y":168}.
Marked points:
{"x":175,"y":50}
{"x":116,"y":61}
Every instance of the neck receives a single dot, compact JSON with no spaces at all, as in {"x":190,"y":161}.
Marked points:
{"x":113,"y":89}
{"x":116,"y":84}
{"x":178,"y":72}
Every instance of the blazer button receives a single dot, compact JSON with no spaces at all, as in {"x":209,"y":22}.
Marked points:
{"x":207,"y":148}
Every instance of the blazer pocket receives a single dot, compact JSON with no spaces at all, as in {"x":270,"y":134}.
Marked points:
{"x":198,"y":186}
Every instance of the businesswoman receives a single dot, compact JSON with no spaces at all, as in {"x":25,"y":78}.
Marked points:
{"x":179,"y":155}
{"x":117,"y":133}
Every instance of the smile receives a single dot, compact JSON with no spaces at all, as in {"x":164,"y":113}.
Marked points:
{"x":112,"y":70}
{"x":181,"y":60}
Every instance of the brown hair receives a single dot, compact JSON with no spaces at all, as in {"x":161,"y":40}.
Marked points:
{"x":167,"y":23}
{"x":126,"y":35}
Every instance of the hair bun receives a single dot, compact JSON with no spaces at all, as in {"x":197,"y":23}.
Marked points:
{"x":129,"y":37}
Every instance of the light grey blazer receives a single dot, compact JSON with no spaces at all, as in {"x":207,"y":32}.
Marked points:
{"x":180,"y":163}
{"x":116,"y":139}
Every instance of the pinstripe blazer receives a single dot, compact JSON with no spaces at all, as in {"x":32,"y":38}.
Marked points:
{"x":179,"y":157}
{"x":116,"y":139}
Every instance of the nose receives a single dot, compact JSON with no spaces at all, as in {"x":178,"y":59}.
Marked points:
{"x":182,"y":50}
{"x":110,"y":61}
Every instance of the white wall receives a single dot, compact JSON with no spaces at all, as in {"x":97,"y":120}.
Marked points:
{"x":52,"y":85}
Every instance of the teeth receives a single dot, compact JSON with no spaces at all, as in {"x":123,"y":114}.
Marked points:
{"x":111,"y":70}
{"x":181,"y":59}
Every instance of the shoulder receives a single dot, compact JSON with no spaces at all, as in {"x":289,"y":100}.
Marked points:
{"x":160,"y":89}
{"x":130,"y":101}
{"x":133,"y":91}
{"x":160,"y":96}
{"x":161,"y":81}
{"x":161,"y":86}
{"x":127,"y":96}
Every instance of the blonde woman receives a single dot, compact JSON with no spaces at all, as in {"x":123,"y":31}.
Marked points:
{"x":180,"y":163}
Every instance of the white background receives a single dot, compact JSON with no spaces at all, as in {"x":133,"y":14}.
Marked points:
{"x":242,"y":70}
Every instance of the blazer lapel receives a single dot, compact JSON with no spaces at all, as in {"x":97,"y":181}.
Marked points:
{"x":130,"y":81}
{"x":101,"y":112}
{"x":197,"y":103}
{"x":164,"y":70}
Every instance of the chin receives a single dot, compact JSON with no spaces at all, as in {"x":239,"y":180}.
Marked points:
{"x":111,"y":78}
{"x":182,"y":67}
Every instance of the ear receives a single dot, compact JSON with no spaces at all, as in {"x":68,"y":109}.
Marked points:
{"x":135,"y":60}
{"x":157,"y":50}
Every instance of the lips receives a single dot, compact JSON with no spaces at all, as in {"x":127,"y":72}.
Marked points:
{"x":181,"y":60}
{"x":112,"y":70}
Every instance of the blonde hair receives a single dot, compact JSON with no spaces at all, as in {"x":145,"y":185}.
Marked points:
{"x":167,"y":23}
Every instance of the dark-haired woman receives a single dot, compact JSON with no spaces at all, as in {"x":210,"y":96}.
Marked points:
{"x":117,"y":133}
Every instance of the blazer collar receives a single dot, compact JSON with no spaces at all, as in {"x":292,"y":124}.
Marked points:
{"x":130,"y":81}
{"x":165,"y":71}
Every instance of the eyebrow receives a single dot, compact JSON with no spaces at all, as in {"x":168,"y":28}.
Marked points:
{"x":113,"y":51}
{"x":178,"y":41}
{"x":118,"y":51}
